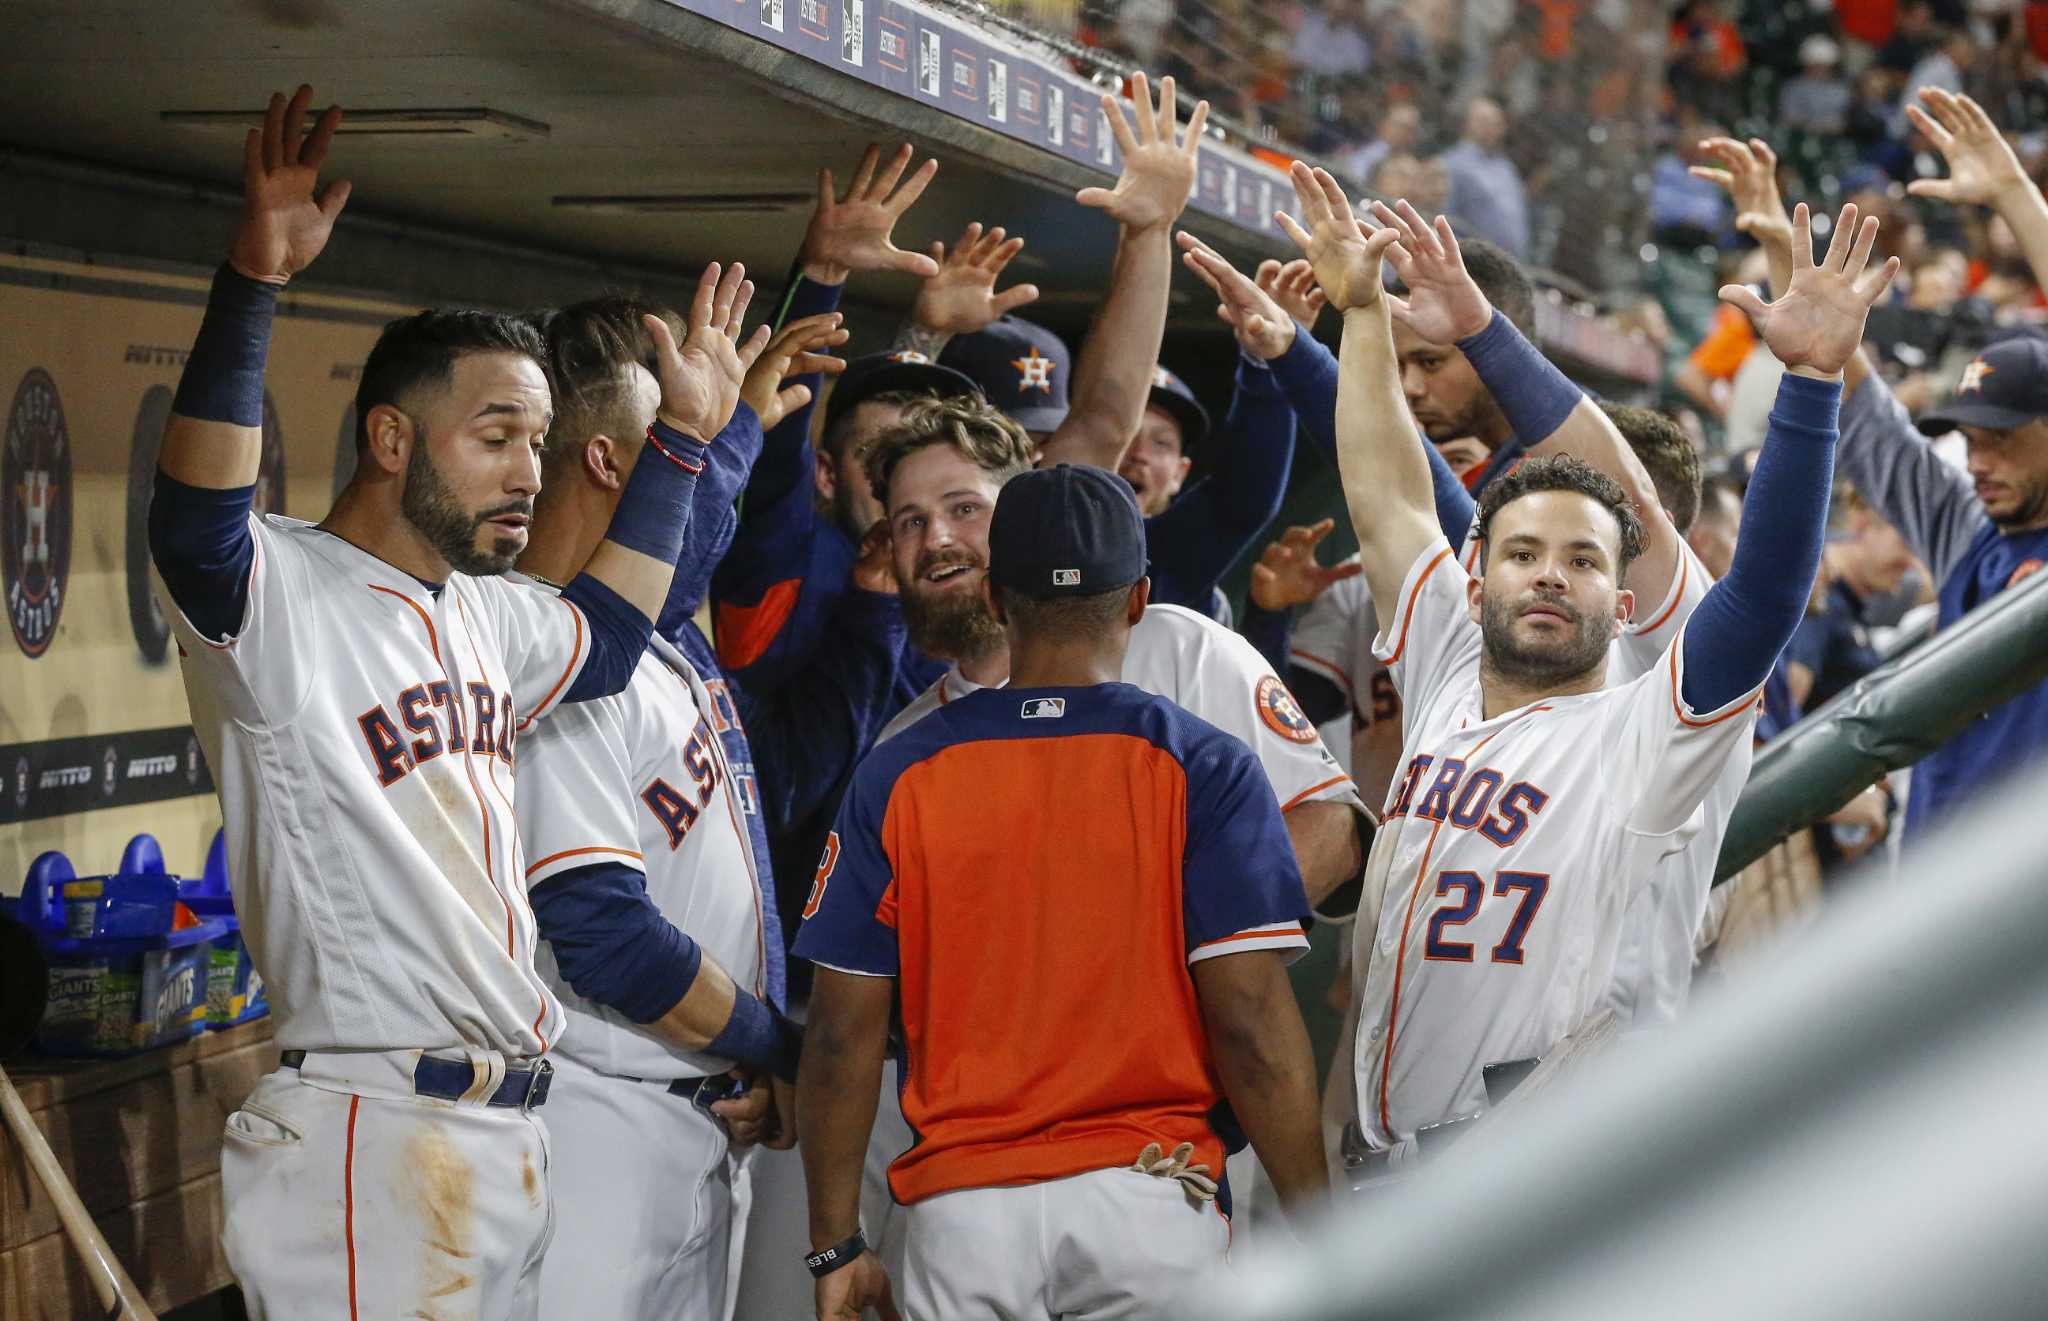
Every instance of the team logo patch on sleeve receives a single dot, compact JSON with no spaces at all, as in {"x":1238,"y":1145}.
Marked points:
{"x":1044,"y":708}
{"x":1281,"y":713}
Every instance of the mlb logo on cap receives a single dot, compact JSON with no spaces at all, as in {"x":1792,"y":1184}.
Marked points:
{"x":1045,"y":708}
{"x":1066,"y":577}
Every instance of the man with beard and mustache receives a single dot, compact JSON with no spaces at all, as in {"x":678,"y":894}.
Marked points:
{"x":938,"y":474}
{"x":359,"y":687}
{"x":1536,"y":801}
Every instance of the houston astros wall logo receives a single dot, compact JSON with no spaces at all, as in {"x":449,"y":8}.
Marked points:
{"x":1034,"y":370}
{"x":35,"y":512}
{"x":1282,"y":715}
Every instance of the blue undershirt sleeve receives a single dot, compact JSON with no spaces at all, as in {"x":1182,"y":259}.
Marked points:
{"x":200,"y":540}
{"x":1742,"y":624}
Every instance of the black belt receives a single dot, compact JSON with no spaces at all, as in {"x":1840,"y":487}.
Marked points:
{"x":701,"y":1092}
{"x":525,"y":1086}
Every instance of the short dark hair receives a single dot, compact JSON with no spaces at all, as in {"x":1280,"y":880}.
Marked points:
{"x":834,"y":439}
{"x":1500,"y":277}
{"x":421,"y":351}
{"x":1059,"y":619}
{"x":590,"y":346}
{"x":1668,"y":453}
{"x":1561,"y":472}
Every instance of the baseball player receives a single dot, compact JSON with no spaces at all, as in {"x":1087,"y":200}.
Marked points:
{"x":1126,"y":851}
{"x":644,"y":883}
{"x":1533,"y":798}
{"x":359,"y":687}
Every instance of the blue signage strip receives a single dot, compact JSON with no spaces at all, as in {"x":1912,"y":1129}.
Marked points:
{"x":941,"y":61}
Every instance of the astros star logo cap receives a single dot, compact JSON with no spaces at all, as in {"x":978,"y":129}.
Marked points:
{"x":1034,"y":371}
{"x":1973,"y":376}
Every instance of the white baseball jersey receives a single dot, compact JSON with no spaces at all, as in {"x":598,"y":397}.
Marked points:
{"x":1206,"y":669}
{"x":640,"y":778}
{"x":1508,"y":855}
{"x":360,"y":727}
{"x":1653,"y":966}
{"x":1333,"y":638}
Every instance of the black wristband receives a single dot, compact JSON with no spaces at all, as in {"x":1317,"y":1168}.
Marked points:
{"x":821,"y":1264}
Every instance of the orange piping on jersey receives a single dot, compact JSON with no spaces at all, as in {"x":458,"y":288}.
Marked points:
{"x":1408,"y":614}
{"x":433,"y":638}
{"x":1255,"y":933}
{"x":1318,"y":663}
{"x":745,"y":632}
{"x":1677,"y":595}
{"x":574,"y":656}
{"x":571,"y":853}
{"x":348,"y":1200}
{"x":511,"y":814}
{"x":1408,"y":920}
{"x":1296,"y":801}
{"x":1684,"y":719}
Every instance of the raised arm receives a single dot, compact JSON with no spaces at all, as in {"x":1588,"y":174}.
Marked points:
{"x":206,"y":470}
{"x":1385,"y":476}
{"x":1749,"y":171}
{"x":1544,"y":407}
{"x":1745,"y":620}
{"x":1982,"y":169}
{"x":1113,"y":374}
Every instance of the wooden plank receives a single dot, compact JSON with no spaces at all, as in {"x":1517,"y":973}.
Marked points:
{"x":170,"y":1243}
{"x":129,"y":1142}
{"x":43,"y":1081}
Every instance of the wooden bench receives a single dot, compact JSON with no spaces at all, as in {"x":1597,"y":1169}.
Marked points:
{"x":141,"y":1138}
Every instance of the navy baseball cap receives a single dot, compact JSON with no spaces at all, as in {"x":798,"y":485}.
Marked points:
{"x":1021,"y":367}
{"x":898,"y":370}
{"x":1068,"y":530}
{"x":2003,"y":387}
{"x":1171,"y":396}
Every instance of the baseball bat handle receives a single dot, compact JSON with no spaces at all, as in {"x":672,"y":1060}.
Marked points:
{"x":117,"y":1292}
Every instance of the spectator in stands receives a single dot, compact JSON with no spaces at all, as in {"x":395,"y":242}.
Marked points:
{"x":1422,"y":180}
{"x":1684,"y":208}
{"x":1817,"y":101}
{"x":1486,"y":188}
{"x":1399,"y":128}
{"x":1707,"y":57}
{"x":1954,"y":52}
{"x":1330,"y":42}
{"x":1913,"y":35}
{"x":1865,"y":560}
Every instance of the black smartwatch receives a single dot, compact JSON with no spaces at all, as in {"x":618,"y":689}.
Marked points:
{"x":821,"y":1264}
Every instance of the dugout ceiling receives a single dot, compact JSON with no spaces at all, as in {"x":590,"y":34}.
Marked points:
{"x":639,"y":98}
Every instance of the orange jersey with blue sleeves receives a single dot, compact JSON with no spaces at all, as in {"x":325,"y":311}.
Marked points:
{"x":1038,"y":867}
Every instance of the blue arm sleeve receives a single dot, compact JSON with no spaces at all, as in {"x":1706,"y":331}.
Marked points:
{"x":713,"y":521}
{"x":1744,"y":621}
{"x":785,"y":462}
{"x":1533,"y":394}
{"x":1307,"y":372}
{"x":1202,"y":534}
{"x":808,"y":731}
{"x":1269,"y":631}
{"x":200,"y":541}
{"x":615,"y":948}
{"x":618,"y":636}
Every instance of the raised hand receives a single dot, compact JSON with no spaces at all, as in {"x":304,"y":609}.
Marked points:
{"x":793,"y":352}
{"x":1293,"y":286}
{"x":1263,"y":327}
{"x":1749,"y":171}
{"x":1345,"y":259}
{"x":1817,"y":325}
{"x":1982,"y":167}
{"x":1444,"y":305}
{"x":960,"y":297}
{"x":1158,"y":173}
{"x":854,"y":232}
{"x":286,"y":215}
{"x":701,"y":378}
{"x":1287,"y":574}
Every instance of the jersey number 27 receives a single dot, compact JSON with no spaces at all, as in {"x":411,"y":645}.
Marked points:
{"x":1472,"y":890}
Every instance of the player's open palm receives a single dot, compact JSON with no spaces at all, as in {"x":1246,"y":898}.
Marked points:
{"x":1749,"y":171}
{"x":847,"y":1293}
{"x":856,"y":232}
{"x":286,"y":215}
{"x":1288,"y":575}
{"x":1982,"y":167}
{"x":701,"y":377}
{"x":1444,"y":304}
{"x":797,"y":350}
{"x":1346,"y":260}
{"x":961,"y":298}
{"x":1159,"y":173}
{"x":1263,"y":327}
{"x":1818,"y":324}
